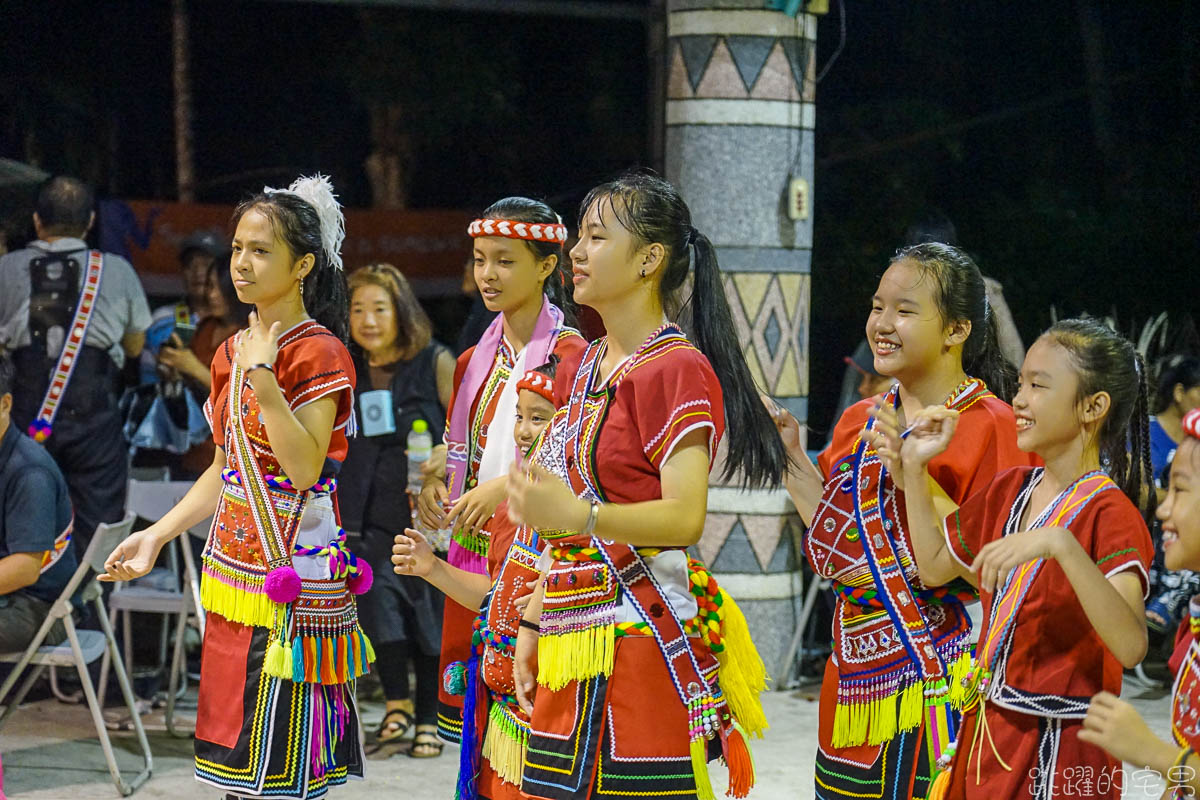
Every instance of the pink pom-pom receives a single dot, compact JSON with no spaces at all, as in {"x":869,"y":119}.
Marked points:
{"x":361,"y":582}
{"x":282,"y":584}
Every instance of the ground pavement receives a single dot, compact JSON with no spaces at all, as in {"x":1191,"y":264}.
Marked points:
{"x":50,"y":753}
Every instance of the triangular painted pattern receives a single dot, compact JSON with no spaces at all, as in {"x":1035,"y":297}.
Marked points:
{"x":721,"y":78}
{"x":696,"y":51}
{"x":749,"y":54}
{"x":797,"y":52}
{"x":716,"y":530}
{"x":764,"y":531}
{"x":736,"y":555}
{"x":775,"y":79}
{"x":678,"y":87}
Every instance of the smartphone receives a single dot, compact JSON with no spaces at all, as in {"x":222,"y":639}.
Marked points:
{"x":184,"y":332}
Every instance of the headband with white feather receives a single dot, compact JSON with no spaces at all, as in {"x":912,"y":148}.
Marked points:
{"x":317,"y":191}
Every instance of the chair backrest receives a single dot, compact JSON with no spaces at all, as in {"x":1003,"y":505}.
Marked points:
{"x":153,"y":499}
{"x":106,"y":538}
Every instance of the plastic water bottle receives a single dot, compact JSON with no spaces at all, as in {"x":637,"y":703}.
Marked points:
{"x":420,"y":449}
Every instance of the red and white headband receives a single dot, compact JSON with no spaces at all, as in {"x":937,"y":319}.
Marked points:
{"x":529,"y":231}
{"x":538,"y":383}
{"x":1191,"y":423}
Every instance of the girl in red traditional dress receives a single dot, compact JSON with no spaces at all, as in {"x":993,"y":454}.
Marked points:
{"x":899,"y":639}
{"x":282,"y":645}
{"x":520,"y":273}
{"x":1115,"y":725}
{"x":1060,"y":555}
{"x":629,"y":701}
{"x":494,"y":736}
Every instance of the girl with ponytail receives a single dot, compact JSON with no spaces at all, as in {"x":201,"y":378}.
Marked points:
{"x":281,"y":632}
{"x":900,"y":641}
{"x":1060,"y":555}
{"x":619,"y":491}
{"x":519,"y":269}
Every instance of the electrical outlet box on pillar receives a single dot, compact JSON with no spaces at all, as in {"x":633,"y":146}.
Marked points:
{"x":798,"y":198}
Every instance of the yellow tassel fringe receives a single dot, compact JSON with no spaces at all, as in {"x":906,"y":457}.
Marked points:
{"x":698,"y":751}
{"x":238,"y":605}
{"x":575,"y":656}
{"x":279,"y":660}
{"x":879,"y":720}
{"x":742,"y":675}
{"x":504,"y":746}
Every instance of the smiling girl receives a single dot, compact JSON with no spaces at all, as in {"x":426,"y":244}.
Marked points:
{"x":1060,"y":555}
{"x":518,"y":253}
{"x":898,"y":639}
{"x":627,"y":702}
{"x":1112,"y":723}
{"x":282,"y":647}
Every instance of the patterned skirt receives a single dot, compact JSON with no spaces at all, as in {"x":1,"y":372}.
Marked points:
{"x":259,"y":736}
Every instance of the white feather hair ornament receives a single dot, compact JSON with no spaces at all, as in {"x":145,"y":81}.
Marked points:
{"x":317,"y":191}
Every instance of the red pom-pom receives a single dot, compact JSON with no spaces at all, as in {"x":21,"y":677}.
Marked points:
{"x":282,"y":584}
{"x":360,"y":583}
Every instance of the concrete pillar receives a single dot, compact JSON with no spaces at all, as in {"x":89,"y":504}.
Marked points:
{"x":739,"y":128}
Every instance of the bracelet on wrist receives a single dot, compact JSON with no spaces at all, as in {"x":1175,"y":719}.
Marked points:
{"x":263,"y":365}
{"x":533,"y":626}
{"x":589,"y":527}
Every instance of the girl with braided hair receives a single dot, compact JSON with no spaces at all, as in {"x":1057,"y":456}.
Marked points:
{"x":518,"y":258}
{"x":634,"y":691}
{"x":282,"y":646}
{"x":896,"y":637}
{"x":1060,"y":555}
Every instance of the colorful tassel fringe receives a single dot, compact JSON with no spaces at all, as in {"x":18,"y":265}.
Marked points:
{"x":875,"y":718}
{"x":468,"y":754}
{"x":327,"y":660}
{"x":504,"y":743}
{"x":740,"y":761}
{"x":329,"y":717}
{"x":575,"y":656}
{"x":698,"y":750}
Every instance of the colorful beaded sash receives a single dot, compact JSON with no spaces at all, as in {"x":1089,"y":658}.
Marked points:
{"x":897,"y":644}
{"x":43,"y":424}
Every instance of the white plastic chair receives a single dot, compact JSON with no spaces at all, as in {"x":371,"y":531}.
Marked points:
{"x":151,"y":500}
{"x":82,"y":648}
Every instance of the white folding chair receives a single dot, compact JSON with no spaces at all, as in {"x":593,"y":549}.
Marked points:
{"x":82,"y":648}
{"x":151,"y":500}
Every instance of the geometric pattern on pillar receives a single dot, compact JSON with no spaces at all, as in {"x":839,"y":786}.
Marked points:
{"x":751,"y":542}
{"x":771,"y":312}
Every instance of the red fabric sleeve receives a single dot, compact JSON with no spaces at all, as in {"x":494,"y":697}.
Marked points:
{"x":674,"y":395}
{"x":314,"y":367}
{"x":1121,"y":541}
{"x":985,"y":443}
{"x":980,"y":518}
{"x":214,"y":407}
{"x":460,"y":369}
{"x":568,"y":368}
{"x":845,"y":434}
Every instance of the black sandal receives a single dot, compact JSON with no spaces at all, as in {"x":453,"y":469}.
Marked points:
{"x":394,"y":725}
{"x":429,"y":741}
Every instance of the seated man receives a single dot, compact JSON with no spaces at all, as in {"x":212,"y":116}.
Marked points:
{"x":36,"y":556}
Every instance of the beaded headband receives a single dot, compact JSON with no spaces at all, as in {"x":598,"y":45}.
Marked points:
{"x":1191,"y":423}
{"x":529,"y":231}
{"x":538,"y":383}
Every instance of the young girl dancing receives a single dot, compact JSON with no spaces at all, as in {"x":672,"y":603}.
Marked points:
{"x":282,"y":645}
{"x":495,"y":730}
{"x":627,"y":702}
{"x":897,"y":638}
{"x":519,"y":271}
{"x":1115,"y":725}
{"x":1059,"y":554}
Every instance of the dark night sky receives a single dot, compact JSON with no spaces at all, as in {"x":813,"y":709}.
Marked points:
{"x":978,"y":109}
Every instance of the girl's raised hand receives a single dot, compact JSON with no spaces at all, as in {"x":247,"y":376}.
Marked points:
{"x":476,"y":506}
{"x":258,"y":344}
{"x":412,"y":555}
{"x":998,"y":558}
{"x":929,"y":435}
{"x":885,"y":438}
{"x":429,"y":504}
{"x":791,"y":432}
{"x":538,"y":498}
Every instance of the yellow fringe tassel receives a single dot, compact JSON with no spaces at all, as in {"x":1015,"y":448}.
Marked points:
{"x":279,"y":660}
{"x":912,"y":706}
{"x":841,"y":726}
{"x":879,"y":720}
{"x":575,"y":656}
{"x":238,"y":605}
{"x":370,"y":648}
{"x":960,"y":695}
{"x":742,"y":674}
{"x":503,"y":747}
{"x":939,"y":787}
{"x":699,"y":752}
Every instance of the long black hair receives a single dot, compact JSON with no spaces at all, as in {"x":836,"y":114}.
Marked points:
{"x":1176,"y":370}
{"x":962,"y":295}
{"x":297,"y":225}
{"x":652,"y":210}
{"x":1105,"y":361}
{"x":237,"y":312}
{"x":557,"y":286}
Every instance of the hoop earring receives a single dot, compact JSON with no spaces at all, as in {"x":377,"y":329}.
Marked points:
{"x":643,"y":273}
